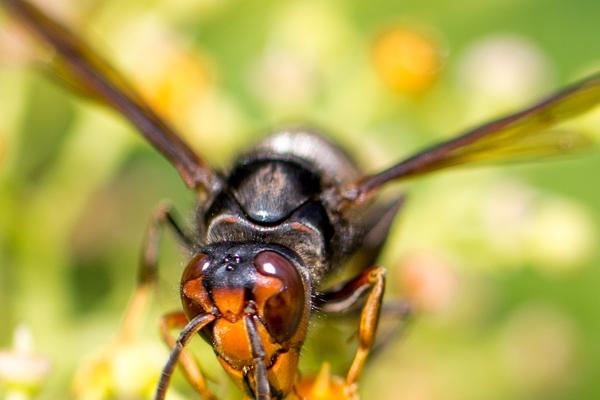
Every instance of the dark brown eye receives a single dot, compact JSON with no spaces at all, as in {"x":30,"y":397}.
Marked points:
{"x":194,"y":297}
{"x":283,"y":310}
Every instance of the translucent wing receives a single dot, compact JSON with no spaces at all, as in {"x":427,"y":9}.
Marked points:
{"x":533,"y":132}
{"x":86,"y":72}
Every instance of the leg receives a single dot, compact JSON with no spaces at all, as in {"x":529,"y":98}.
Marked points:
{"x":147,"y":277}
{"x":369,"y":283}
{"x":398,"y":312}
{"x":136,"y":309}
{"x":369,"y":318}
{"x":163,"y":216}
{"x":148,"y":267}
{"x":190,"y":367}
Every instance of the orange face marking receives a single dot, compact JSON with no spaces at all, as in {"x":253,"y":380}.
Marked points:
{"x":232,"y":343}
{"x":230,"y":302}
{"x":282,"y":373}
{"x":194,"y":290}
{"x":265,"y":288}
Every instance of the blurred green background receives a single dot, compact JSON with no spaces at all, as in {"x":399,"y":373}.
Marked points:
{"x":503,"y":263}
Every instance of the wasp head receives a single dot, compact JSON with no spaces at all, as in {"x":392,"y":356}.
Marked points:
{"x":264,"y":283}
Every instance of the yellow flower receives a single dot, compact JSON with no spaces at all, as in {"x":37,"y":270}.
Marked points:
{"x":407,"y":60}
{"x":324,"y":386}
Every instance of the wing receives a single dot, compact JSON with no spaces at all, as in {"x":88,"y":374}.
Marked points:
{"x":86,"y":72}
{"x":532,"y":132}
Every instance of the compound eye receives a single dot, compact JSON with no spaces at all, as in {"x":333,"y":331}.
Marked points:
{"x":282,"y":310}
{"x":194,"y":297}
{"x":195,"y":268}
